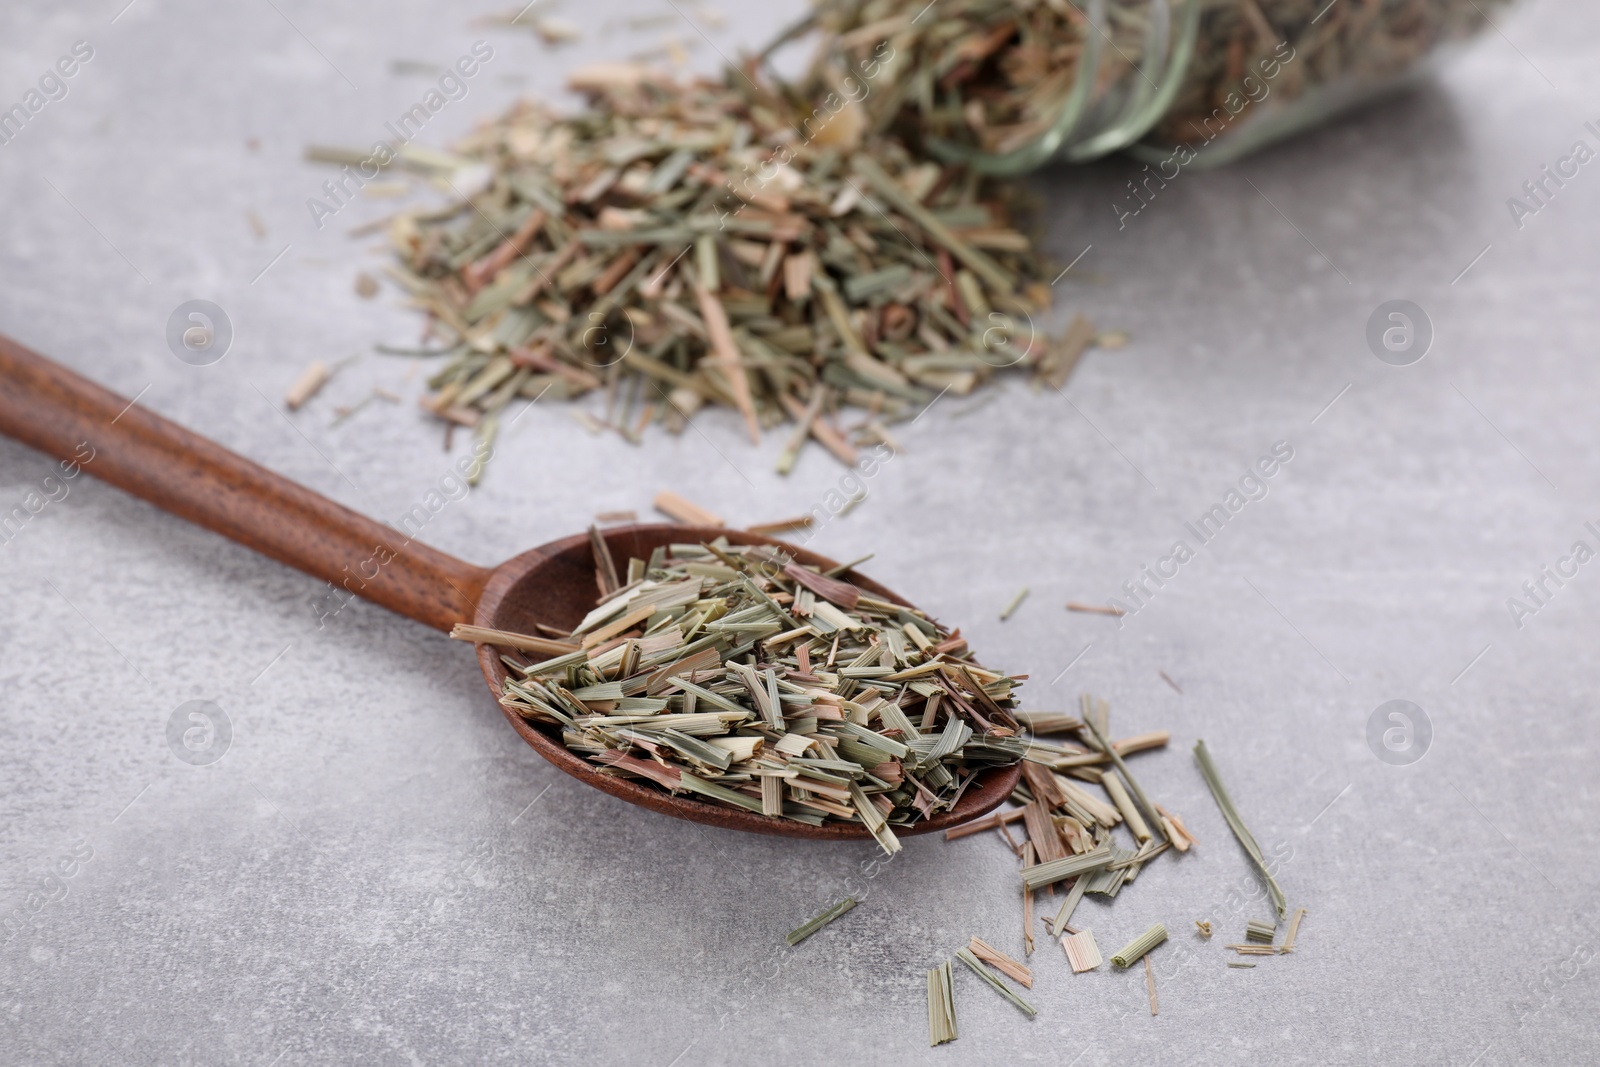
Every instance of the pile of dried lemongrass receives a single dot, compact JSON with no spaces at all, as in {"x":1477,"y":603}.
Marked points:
{"x":995,"y":75}
{"x":752,"y":681}
{"x":679,"y":244}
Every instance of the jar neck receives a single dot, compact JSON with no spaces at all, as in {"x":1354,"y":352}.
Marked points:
{"x":1119,"y":93}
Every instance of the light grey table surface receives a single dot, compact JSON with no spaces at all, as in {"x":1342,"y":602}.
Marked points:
{"x":378,"y":870}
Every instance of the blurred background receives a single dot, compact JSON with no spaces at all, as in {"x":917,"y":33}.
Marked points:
{"x":374,"y":868}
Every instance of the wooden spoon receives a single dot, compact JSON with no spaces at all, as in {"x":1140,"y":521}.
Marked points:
{"x":44,"y":405}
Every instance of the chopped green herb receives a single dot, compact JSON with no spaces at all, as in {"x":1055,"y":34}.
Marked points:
{"x":805,"y":930}
{"x":1135,"y":950}
{"x":1236,"y":824}
{"x":966,"y":956}
{"x":941,"y":1006}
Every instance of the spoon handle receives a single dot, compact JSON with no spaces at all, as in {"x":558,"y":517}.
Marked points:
{"x":66,"y":416}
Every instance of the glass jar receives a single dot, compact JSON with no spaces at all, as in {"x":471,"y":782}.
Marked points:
{"x":1007,"y":87}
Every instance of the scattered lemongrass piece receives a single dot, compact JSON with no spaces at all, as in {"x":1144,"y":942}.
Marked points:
{"x":1260,"y":931}
{"x":1068,"y":906}
{"x":1012,"y":969}
{"x":1135,"y":950}
{"x":978,"y":826}
{"x":1150,"y":984}
{"x":966,"y":956}
{"x":483,"y":635}
{"x":1028,"y":856}
{"x":1016,"y":602}
{"x":1098,"y":733}
{"x":674,"y":506}
{"x":1204,"y":926}
{"x":1142,"y":742}
{"x":941,"y":1006}
{"x":1236,"y":824}
{"x":1049,"y":722}
{"x":1168,"y":679}
{"x":1294,"y":929}
{"x":798,"y":522}
{"x":306,"y":386}
{"x":1240,"y":966}
{"x":1042,"y":874}
{"x":1177,"y":832}
{"x":805,"y":930}
{"x":617,"y":516}
{"x":1253,"y":950}
{"x":1095,"y":609}
{"x":1082,"y":951}
{"x":1130,"y":814}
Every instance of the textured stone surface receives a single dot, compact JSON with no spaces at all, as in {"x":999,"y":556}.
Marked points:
{"x":379,"y":871}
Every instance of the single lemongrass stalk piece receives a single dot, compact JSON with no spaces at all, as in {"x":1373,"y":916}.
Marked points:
{"x":1016,"y":602}
{"x":312,"y":379}
{"x":805,"y":930}
{"x":1049,"y":722}
{"x":1135,"y":950}
{"x":1253,"y":950}
{"x":1230,"y":813}
{"x":978,"y":826}
{"x":1177,"y":832}
{"x":766,"y":529}
{"x":676,"y":507}
{"x":1240,"y":966}
{"x":1082,"y":951}
{"x":1150,"y":984}
{"x":1142,"y":742}
{"x":941,"y":1006}
{"x":1294,"y":930}
{"x":1016,"y":971}
{"x":1043,"y":874}
{"x":1027,"y":905}
{"x":966,"y":956}
{"x":1095,"y":609}
{"x":1098,"y":733}
{"x":1260,"y":931}
{"x":1204,"y":926}
{"x":1130,"y":813}
{"x":1068,"y":906}
{"x":482,"y":635}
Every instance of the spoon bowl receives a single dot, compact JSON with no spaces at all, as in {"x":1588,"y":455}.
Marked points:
{"x":64,"y":415}
{"x":554,"y":585}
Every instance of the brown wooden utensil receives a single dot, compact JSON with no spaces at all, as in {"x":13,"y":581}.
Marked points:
{"x":48,"y":407}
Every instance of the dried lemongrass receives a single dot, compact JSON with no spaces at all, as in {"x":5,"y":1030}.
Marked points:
{"x":1260,"y":931}
{"x":736,"y":674}
{"x":1043,"y":874}
{"x":1294,"y":930}
{"x":941,"y":1006}
{"x":1016,"y":602}
{"x":676,"y":507}
{"x":676,"y":244}
{"x":1013,"y":969}
{"x":310,"y":382}
{"x":1082,"y":952}
{"x":1001,"y":77}
{"x":1116,"y":757}
{"x":806,"y":929}
{"x":1135,"y":950}
{"x":796,"y":522}
{"x":1150,"y":984}
{"x":1253,"y":950}
{"x":977,"y":968}
{"x":1050,"y":722}
{"x":1236,"y":823}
